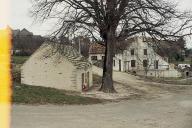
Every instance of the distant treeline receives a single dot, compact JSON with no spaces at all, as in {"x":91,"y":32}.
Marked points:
{"x":25,"y":43}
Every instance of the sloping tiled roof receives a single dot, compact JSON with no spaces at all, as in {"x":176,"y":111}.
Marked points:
{"x":96,"y":48}
{"x":69,"y":53}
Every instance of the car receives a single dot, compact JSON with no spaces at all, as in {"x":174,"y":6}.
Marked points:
{"x":183,"y":66}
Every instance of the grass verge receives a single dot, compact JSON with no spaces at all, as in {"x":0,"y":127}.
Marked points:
{"x":174,"y":81}
{"x":19,"y":59}
{"x":25,"y":94}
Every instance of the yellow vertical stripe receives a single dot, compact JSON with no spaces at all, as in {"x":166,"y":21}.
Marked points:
{"x":5,"y":78}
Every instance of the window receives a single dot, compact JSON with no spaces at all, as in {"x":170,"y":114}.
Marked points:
{"x":83,"y":78}
{"x":156,"y":64}
{"x":103,"y":57}
{"x":132,"y":51}
{"x":145,"y":63}
{"x":93,"y":57}
{"x":144,"y":39}
{"x":133,"y":63}
{"x":145,"y":51}
{"x":114,"y":63}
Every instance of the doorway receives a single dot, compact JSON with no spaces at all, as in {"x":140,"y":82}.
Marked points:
{"x":187,"y":74}
{"x":120,"y":65}
{"x":126,"y":66}
{"x":85,"y":81}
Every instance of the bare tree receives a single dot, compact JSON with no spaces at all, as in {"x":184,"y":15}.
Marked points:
{"x":150,"y":63}
{"x":82,"y":44}
{"x":145,"y":62}
{"x":112,"y":21}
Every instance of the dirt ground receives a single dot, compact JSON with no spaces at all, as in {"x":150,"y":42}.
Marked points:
{"x":140,"y":105}
{"x":172,"y":111}
{"x":132,"y":87}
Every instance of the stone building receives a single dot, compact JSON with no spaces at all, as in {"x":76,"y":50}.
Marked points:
{"x":62,"y":69}
{"x":186,"y":72}
{"x":141,"y":59}
{"x":97,"y":53}
{"x":138,"y":57}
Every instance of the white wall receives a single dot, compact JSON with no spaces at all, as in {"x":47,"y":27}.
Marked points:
{"x":99,"y":56}
{"x":118,"y":63}
{"x":139,"y":46}
{"x":117,"y":57}
{"x":46,"y":73}
{"x":164,"y":68}
{"x":160,"y":73}
{"x":52,"y":72}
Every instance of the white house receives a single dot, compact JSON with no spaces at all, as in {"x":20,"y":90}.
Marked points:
{"x":97,"y":53}
{"x":140,"y":58}
{"x":62,"y":69}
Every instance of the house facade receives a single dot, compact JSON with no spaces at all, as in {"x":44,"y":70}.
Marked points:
{"x":66,"y":70}
{"x":97,"y":54}
{"x":141,"y":59}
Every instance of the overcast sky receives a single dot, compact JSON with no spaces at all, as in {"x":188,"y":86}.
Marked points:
{"x":20,"y":16}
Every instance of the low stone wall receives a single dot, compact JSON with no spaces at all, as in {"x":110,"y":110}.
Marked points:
{"x":160,"y":73}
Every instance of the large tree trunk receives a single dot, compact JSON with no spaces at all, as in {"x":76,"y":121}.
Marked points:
{"x":107,"y":81}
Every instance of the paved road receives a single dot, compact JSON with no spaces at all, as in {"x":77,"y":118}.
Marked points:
{"x":174,"y":111}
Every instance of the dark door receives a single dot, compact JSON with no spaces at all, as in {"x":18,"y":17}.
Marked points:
{"x":126,"y":66}
{"x":83,"y":81}
{"x":119,"y":65}
{"x":87,"y":79}
{"x":156,"y":64}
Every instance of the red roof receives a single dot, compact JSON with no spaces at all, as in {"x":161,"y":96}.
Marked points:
{"x":96,"y":48}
